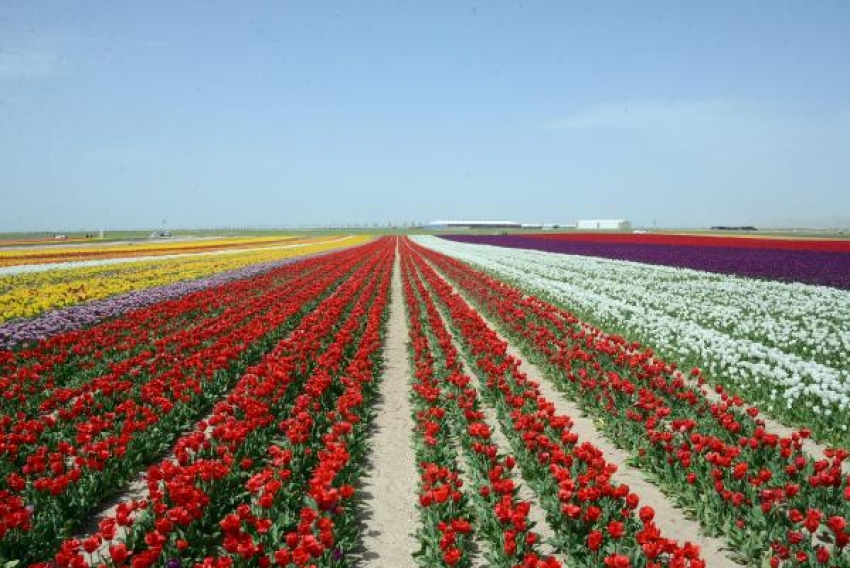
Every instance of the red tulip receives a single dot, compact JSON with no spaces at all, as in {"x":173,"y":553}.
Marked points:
{"x":616,"y":529}
{"x":119,"y":553}
{"x":452,"y":556}
{"x":594,"y":540}
{"x":617,"y":561}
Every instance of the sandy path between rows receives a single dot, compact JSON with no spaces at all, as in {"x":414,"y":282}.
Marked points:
{"x":670,"y":519}
{"x":390,"y":485}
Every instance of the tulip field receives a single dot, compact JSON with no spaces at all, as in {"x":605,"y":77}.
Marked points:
{"x":356,"y":401}
{"x":812,"y":261}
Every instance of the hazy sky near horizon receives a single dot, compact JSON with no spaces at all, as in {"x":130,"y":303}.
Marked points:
{"x":120,"y":115}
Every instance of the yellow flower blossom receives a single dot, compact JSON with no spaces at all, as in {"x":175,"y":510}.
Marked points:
{"x":50,"y":253}
{"x":29,"y":294}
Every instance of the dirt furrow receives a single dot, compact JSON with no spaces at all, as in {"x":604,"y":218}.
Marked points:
{"x":390,"y":487}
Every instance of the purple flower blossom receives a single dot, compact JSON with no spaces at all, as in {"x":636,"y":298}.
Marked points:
{"x":79,"y":316}
{"x":821,"y":268}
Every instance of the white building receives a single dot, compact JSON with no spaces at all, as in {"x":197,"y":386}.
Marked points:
{"x":604,"y":224}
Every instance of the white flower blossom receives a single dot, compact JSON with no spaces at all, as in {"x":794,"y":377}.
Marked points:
{"x":769,"y":340}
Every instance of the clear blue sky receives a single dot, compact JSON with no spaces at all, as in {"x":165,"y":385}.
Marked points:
{"x":280,"y":113}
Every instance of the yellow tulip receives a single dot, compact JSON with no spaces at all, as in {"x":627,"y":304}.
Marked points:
{"x":29,"y":294}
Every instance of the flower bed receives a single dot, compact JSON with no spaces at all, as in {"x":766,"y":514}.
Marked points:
{"x":783,"y":347}
{"x":267,"y":478}
{"x":29,"y":294}
{"x":501,"y":517}
{"x":596,"y":520}
{"x":59,"y":465}
{"x":758,"y":489}
{"x":815,"y":262}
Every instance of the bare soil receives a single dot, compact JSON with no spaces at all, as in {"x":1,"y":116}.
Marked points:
{"x":390,"y":485}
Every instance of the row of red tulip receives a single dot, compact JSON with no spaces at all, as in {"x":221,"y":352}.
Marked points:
{"x":326,"y":433}
{"x":48,"y":382}
{"x":236,"y":467}
{"x":53,"y":387}
{"x":445,"y":514}
{"x":501,"y":516}
{"x":596,"y":520}
{"x":75,"y":415}
{"x":140,"y":428}
{"x":759,"y":489}
{"x":46,"y":375}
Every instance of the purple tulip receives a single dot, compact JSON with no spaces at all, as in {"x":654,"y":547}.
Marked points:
{"x":821,"y":268}
{"x":79,"y":316}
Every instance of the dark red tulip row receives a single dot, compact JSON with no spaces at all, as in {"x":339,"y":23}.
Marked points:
{"x":742,"y":481}
{"x":58,"y":370}
{"x":315,"y":520}
{"x":596,"y":520}
{"x":445,"y":513}
{"x":501,"y":516}
{"x":254,"y":441}
{"x":59,"y":483}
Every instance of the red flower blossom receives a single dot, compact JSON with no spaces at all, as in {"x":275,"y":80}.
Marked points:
{"x":594,"y":540}
{"x":119,"y":553}
{"x":616,"y":529}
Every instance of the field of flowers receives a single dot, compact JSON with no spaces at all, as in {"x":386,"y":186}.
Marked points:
{"x":221,"y":385}
{"x":784,"y":347}
{"x":820,"y":262}
{"x":771,"y":502}
{"x":30,"y":290}
{"x":559,"y":411}
{"x":91,"y":251}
